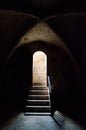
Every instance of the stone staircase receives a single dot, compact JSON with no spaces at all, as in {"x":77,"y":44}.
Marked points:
{"x":38,"y":101}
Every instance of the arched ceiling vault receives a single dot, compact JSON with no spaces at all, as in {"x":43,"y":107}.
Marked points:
{"x":42,"y":8}
{"x":42,"y":32}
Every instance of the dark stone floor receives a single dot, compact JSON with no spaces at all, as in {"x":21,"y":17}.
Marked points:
{"x":18,"y":121}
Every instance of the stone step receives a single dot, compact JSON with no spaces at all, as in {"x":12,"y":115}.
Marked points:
{"x":39,"y":88}
{"x":59,"y":118}
{"x":38,"y":97}
{"x":37,"y":108}
{"x":39,"y":92}
{"x":38,"y":102}
{"x":38,"y":113}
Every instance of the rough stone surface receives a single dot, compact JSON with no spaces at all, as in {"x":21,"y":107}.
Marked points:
{"x":21,"y":122}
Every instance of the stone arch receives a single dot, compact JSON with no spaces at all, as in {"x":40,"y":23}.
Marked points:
{"x":42,"y":32}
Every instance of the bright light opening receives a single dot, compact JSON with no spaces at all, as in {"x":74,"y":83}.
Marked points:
{"x":39,"y":75}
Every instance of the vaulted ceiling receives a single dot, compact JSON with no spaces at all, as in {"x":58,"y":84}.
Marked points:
{"x":44,"y":8}
{"x":66,"y":18}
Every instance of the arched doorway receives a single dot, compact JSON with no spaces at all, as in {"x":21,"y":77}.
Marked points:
{"x":38,"y":101}
{"x":39,"y":69}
